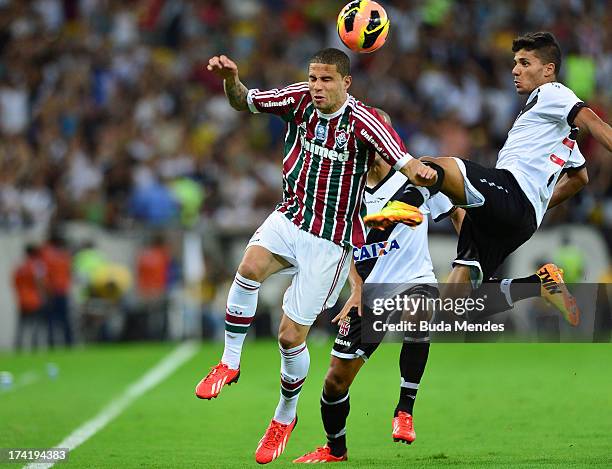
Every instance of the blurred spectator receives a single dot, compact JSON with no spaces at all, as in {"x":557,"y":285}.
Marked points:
{"x":153,"y":281}
{"x":104,"y":107}
{"x":29,"y":284}
{"x":153,"y":269}
{"x":58,"y":264}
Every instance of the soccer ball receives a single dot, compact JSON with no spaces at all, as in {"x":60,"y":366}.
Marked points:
{"x":363,"y":26}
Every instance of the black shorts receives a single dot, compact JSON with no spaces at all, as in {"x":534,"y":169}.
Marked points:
{"x":349,"y":343}
{"x":492,"y":231}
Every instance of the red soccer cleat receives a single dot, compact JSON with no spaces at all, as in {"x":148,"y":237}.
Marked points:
{"x":321,"y":454}
{"x":403,"y":430}
{"x":219,"y":376}
{"x":273,"y":443}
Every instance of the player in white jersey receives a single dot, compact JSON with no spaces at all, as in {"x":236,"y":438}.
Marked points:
{"x":539,"y":167}
{"x":330,"y":143}
{"x":399,"y":258}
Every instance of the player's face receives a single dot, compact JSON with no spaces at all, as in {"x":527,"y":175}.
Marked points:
{"x":530,"y":72}
{"x":327,"y":87}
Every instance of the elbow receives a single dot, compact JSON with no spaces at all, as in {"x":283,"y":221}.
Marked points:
{"x":583,"y":177}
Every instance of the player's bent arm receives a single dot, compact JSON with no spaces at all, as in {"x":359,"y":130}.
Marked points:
{"x":355,"y":280}
{"x":226,"y":68}
{"x":236,"y":93}
{"x":569,"y":184}
{"x":354,"y":301}
{"x":457,"y":218}
{"x":601,"y":131}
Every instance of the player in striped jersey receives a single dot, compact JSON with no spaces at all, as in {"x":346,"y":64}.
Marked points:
{"x":330,"y":143}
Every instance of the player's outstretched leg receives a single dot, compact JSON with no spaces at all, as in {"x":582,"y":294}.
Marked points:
{"x":413,"y":359}
{"x":335,"y":407}
{"x":295,"y":361}
{"x":547,"y":282}
{"x":239,"y":313}
{"x":257,"y":264}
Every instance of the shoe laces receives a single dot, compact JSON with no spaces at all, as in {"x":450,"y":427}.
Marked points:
{"x":213,"y":371}
{"x":405,"y":419}
{"x":322,"y":450}
{"x":274,"y":435}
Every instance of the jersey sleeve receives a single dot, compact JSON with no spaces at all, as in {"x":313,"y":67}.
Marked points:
{"x":440,"y":207}
{"x":558,"y":103}
{"x":381,"y":137}
{"x":281,"y":102}
{"x":576,"y":159}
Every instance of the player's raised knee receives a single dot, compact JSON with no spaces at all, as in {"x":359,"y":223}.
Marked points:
{"x":289,"y":338}
{"x":250,"y":269}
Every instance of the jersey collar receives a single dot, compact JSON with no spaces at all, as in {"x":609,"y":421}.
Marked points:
{"x":534,"y":93}
{"x":337,"y":113}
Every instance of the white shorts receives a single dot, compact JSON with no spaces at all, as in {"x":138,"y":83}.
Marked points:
{"x":319,"y":267}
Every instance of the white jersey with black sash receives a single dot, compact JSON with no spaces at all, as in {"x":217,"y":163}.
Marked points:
{"x":399,"y":254}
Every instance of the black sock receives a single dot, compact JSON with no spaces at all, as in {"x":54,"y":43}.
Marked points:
{"x":413,"y":359}
{"x":495,"y":300}
{"x":525,"y":287}
{"x":334,"y":411}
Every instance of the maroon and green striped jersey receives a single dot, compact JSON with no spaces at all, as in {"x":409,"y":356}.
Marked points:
{"x":326,"y":158}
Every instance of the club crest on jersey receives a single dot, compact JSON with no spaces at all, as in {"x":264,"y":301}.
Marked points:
{"x":345,"y":326}
{"x":341,"y":138}
{"x":321,"y":132}
{"x":374,"y":250}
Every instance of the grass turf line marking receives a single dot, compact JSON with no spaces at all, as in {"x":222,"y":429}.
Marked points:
{"x":154,"y":376}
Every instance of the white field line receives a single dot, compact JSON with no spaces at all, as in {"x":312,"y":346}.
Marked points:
{"x":154,"y":376}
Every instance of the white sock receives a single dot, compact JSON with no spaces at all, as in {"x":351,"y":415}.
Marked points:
{"x":240,"y":311}
{"x":294,"y":369}
{"x":504,"y":286}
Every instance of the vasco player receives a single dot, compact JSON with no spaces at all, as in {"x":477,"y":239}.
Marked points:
{"x":539,"y":167}
{"x":330,"y":143}
{"x":401,"y":261}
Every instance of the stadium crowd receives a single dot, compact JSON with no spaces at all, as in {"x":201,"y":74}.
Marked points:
{"x":108,"y":115}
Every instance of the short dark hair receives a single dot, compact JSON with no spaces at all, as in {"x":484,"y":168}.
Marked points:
{"x":331,"y":56}
{"x":544,"y":44}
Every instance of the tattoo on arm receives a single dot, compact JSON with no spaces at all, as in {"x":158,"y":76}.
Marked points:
{"x":236,"y":94}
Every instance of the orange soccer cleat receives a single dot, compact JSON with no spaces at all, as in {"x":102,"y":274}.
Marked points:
{"x":393,"y":213}
{"x":219,"y":376}
{"x":403,"y":429}
{"x":321,"y":454}
{"x":556,"y":293}
{"x":273,"y":443}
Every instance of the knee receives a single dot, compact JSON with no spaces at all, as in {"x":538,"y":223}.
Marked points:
{"x":251,"y":270}
{"x":289,"y":338}
{"x":336,"y":383}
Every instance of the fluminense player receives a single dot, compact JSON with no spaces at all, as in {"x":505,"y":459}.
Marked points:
{"x":330,"y":143}
{"x":397,"y":256}
{"x":539,"y":167}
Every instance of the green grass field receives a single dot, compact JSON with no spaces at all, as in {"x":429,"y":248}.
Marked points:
{"x":495,"y":405}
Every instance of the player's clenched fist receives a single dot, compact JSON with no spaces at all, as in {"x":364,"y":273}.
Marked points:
{"x":222,"y":66}
{"x":419,"y":173}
